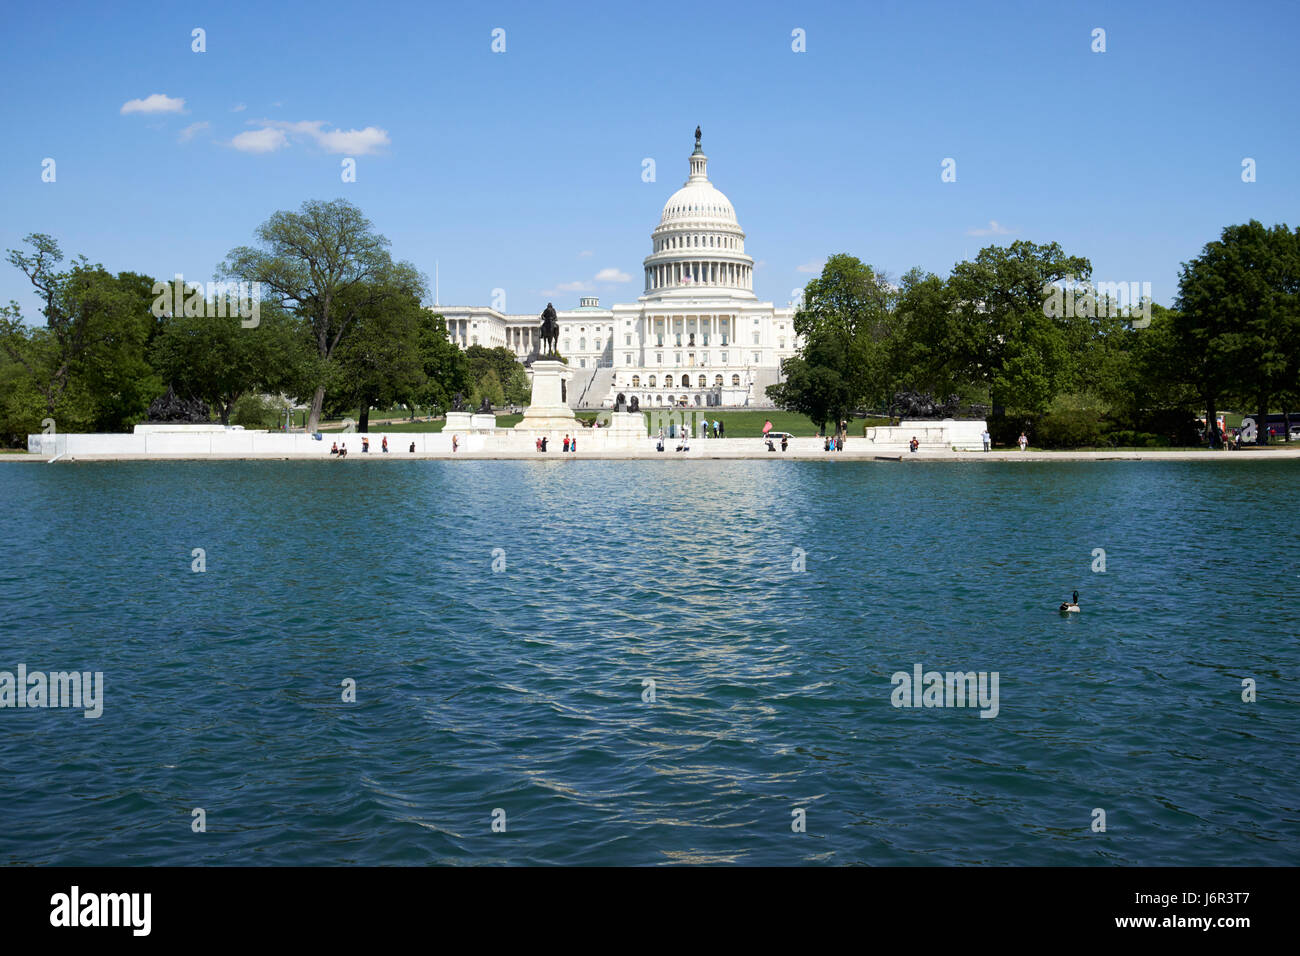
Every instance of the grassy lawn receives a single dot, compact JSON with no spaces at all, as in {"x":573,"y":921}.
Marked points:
{"x":749,"y":424}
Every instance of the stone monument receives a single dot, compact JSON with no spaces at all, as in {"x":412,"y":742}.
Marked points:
{"x":483,"y":420}
{"x":548,"y":413}
{"x":459,"y":421}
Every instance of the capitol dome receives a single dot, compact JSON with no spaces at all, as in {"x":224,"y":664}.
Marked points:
{"x":698,"y":243}
{"x":698,"y":200}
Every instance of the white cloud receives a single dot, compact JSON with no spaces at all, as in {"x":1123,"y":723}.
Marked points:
{"x":568,"y":287}
{"x":585,"y":254}
{"x":156,"y":103}
{"x":239,"y":108}
{"x":356,"y":142}
{"x":264,"y":140}
{"x":189,"y":132}
{"x":995,"y":228}
{"x":612,"y":275}
{"x":813,"y":267}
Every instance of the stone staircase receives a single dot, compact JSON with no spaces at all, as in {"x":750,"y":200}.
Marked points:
{"x":589,"y":387}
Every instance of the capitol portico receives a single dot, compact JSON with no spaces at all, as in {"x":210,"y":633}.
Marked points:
{"x":696,"y":336}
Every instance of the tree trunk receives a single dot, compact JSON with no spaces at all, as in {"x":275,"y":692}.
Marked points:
{"x":1261,"y":428}
{"x":364,"y":424}
{"x":225,"y":412}
{"x":313,"y":417}
{"x":1212,"y":422}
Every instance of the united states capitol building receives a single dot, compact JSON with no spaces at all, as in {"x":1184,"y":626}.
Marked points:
{"x":697,"y":336}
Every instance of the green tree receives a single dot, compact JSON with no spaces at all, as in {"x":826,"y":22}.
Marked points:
{"x":88,"y":362}
{"x":380,"y":363}
{"x":1238,"y":328}
{"x":1006,"y":338}
{"x":219,"y":360}
{"x":924,"y":353}
{"x":510,"y":375}
{"x":310,"y":261}
{"x":445,"y":367}
{"x":843,"y":324}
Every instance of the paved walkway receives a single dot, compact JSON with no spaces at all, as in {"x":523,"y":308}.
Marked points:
{"x":731,"y":448}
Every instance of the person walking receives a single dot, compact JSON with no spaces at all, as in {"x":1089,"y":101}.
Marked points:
{"x":1023,"y":441}
{"x":987,"y":439}
{"x":455,"y":443}
{"x":573,"y":445}
{"x":722,"y":430}
{"x":385,"y":446}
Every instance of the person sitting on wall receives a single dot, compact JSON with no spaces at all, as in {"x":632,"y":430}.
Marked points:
{"x":412,"y":448}
{"x":334,"y":449}
{"x":343,"y":451}
{"x":914,"y":444}
{"x":770,"y":446}
{"x":365,"y":445}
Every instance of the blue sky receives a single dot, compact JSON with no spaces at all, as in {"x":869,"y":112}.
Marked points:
{"x":522,"y":170}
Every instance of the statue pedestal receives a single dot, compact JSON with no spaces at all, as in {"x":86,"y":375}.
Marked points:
{"x":458,"y":423}
{"x":483,"y":423}
{"x":548,"y":413}
{"x":626,"y":427}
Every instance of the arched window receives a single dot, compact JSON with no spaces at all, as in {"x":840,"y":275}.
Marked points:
{"x":668,"y":381}
{"x":717,"y":381}
{"x":636,"y":381}
{"x":702,"y":381}
{"x":652,"y":381}
{"x":735,"y":380}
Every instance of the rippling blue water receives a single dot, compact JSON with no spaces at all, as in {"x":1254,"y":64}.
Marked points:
{"x":522,"y":690}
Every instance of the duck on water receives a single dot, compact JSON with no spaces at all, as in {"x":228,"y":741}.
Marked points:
{"x":1072,"y":605}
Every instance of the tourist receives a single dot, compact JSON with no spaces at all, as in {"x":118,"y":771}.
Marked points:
{"x":722,"y":430}
{"x":334,"y":449}
{"x":412,"y":448}
{"x":573,"y":445}
{"x":365,"y":445}
{"x":566,"y":442}
{"x":987,"y":439}
{"x":385,"y":444}
{"x":1023,"y":441}
{"x":455,"y":443}
{"x":543,"y":443}
{"x":770,"y":446}
{"x":715,"y":429}
{"x":538,"y":443}
{"x":826,"y":443}
{"x":914,"y":444}
{"x":785,"y":443}
{"x":343,"y":450}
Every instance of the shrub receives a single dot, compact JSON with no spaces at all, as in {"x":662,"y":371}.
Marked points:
{"x":1071,"y":421}
{"x":253,"y":411}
